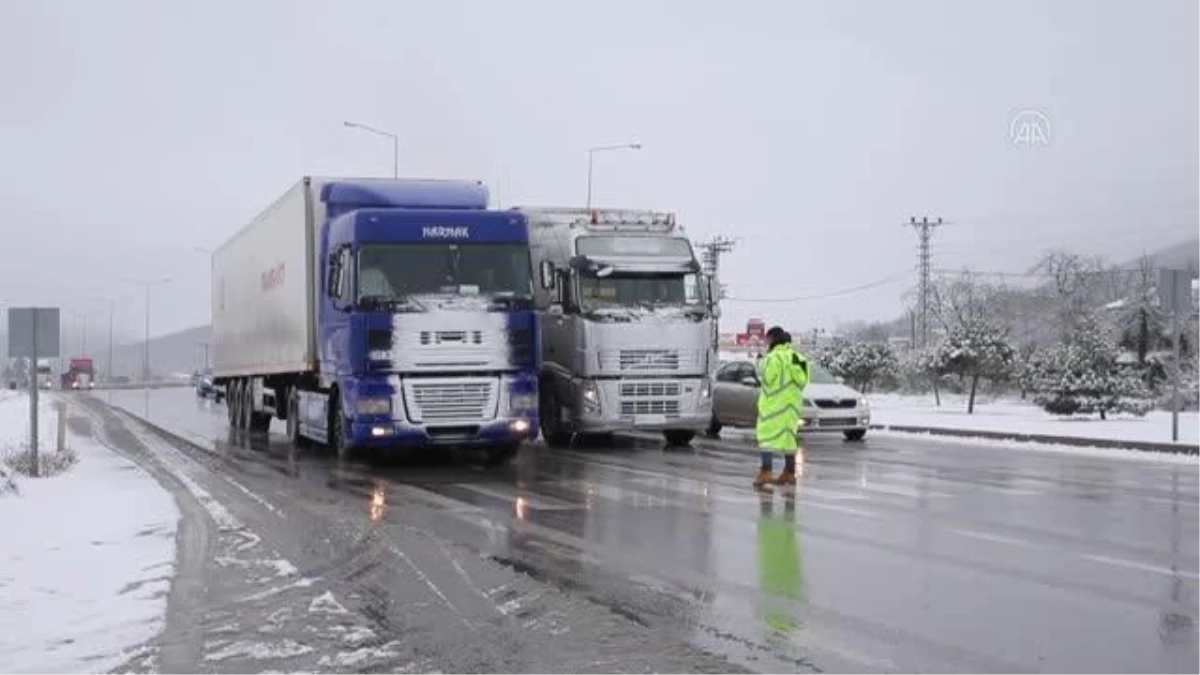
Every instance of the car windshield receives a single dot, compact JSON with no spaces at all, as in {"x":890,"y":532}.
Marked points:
{"x":640,"y":290}
{"x":818,"y":375}
{"x":396,"y":272}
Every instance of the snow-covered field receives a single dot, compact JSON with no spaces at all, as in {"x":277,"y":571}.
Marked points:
{"x":87,"y":555}
{"x":1016,"y":416}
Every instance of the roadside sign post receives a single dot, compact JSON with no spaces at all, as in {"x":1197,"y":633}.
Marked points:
{"x":1175,"y":297}
{"x":33,"y":334}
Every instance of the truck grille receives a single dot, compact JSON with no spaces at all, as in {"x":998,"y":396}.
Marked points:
{"x":635,"y":360}
{"x":650,"y":398}
{"x":835,"y":403}
{"x":451,"y":401}
{"x":649,"y":389}
{"x":452,"y":337}
{"x":650,"y":407}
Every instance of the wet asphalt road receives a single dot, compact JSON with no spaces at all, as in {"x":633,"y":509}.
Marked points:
{"x":897,"y":554}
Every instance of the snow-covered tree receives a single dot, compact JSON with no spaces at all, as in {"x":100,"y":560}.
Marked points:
{"x":1083,"y":376}
{"x":976,"y":350}
{"x":919,"y":371}
{"x":861,"y":364}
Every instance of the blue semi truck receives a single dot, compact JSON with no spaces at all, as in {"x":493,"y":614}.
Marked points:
{"x":371,"y":313}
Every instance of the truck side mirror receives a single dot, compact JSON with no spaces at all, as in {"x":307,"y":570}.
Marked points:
{"x":547,"y":274}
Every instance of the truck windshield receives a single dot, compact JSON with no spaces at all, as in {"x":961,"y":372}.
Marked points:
{"x":640,"y":290}
{"x":395,"y":272}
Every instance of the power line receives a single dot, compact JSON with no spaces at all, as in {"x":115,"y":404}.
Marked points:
{"x":834,"y":294}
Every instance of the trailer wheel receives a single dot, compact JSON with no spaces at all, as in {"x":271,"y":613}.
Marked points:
{"x":293,"y":418}
{"x":245,"y":391}
{"x":231,"y":404}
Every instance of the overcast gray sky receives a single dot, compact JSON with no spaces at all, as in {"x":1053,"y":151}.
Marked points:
{"x":132,"y":132}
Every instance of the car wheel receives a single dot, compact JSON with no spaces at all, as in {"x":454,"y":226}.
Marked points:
{"x":679,"y":437}
{"x":855,"y":434}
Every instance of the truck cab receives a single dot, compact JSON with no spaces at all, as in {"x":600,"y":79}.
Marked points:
{"x":428,"y":324}
{"x":627,"y":325}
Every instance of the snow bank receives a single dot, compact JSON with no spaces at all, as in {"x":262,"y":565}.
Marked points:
{"x":87,"y":556}
{"x":1015,"y":416}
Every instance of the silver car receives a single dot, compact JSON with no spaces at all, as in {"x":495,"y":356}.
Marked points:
{"x":829,"y":405}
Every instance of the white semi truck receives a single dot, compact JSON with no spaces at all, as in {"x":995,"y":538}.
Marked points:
{"x":626,"y":321}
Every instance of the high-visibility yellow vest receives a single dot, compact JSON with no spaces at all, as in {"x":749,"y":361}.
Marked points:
{"x":784,"y":375}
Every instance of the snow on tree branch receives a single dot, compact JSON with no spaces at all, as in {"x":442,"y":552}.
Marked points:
{"x":861,"y":364}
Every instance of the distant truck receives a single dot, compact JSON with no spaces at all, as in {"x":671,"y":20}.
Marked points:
{"x":80,"y":374}
{"x":45,"y":376}
{"x":627,"y":325}
{"x":373,"y":313}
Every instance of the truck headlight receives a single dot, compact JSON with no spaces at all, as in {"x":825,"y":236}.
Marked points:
{"x":522,"y":402}
{"x":590,"y":395}
{"x":374,"y":406}
{"x":705,"y":388}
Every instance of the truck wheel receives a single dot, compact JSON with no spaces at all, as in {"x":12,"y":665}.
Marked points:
{"x":235,"y":405}
{"x":855,"y":434}
{"x":714,"y":427}
{"x":550,"y":420}
{"x":245,"y":391}
{"x":293,"y":418}
{"x":679,"y":437}
{"x":230,"y":412}
{"x":502,"y":454}
{"x":337,"y":431}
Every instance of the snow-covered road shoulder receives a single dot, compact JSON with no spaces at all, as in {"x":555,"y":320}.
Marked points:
{"x":87,"y":558}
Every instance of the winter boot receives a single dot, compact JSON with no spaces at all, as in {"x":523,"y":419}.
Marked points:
{"x":765,"y":477}
{"x":788,"y":476}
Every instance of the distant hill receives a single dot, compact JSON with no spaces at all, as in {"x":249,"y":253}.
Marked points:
{"x":180,"y":352}
{"x":1184,"y":255}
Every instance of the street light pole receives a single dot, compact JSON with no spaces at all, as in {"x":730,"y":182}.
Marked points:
{"x":386,"y":134}
{"x":591,"y":159}
{"x":147,"y":284}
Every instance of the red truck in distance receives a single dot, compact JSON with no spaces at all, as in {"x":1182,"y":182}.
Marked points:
{"x":80,"y":374}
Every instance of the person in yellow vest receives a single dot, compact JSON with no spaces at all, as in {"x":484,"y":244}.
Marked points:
{"x":783,"y":377}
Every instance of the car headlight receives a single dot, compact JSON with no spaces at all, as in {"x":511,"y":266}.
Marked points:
{"x":862,"y":401}
{"x":522,"y":402}
{"x":374,"y":406}
{"x":808,"y":403}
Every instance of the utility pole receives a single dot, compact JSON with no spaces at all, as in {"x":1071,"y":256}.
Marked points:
{"x":108,"y":380}
{"x":710,"y":258}
{"x":924,"y":228}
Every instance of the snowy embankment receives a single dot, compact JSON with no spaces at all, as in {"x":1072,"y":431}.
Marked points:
{"x":1007,"y":416}
{"x":87,"y":555}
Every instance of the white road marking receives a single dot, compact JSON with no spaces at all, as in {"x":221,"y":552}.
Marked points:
{"x":1145,"y":567}
{"x":999,"y":539}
